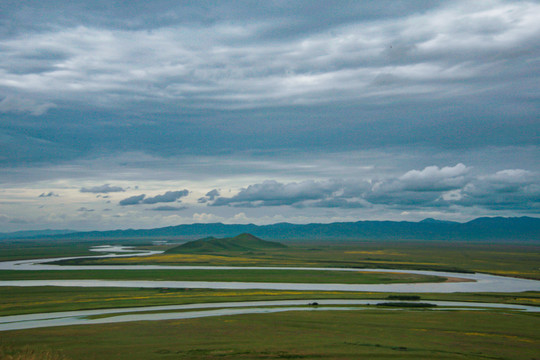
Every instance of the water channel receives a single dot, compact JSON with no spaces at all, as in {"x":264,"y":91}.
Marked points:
{"x":477,"y":282}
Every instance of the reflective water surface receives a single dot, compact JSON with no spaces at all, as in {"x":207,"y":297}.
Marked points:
{"x":30,"y":321}
{"x":477,"y":283}
{"x":480,"y":282}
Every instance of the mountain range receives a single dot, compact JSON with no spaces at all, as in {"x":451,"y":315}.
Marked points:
{"x":480,"y":229}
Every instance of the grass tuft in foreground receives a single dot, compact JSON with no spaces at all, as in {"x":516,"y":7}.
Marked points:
{"x":28,"y":353}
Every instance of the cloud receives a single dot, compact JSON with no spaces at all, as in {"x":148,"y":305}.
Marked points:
{"x":49,"y":194}
{"x":433,"y":178}
{"x":227,"y":94}
{"x":84,"y":209}
{"x":432,"y":187}
{"x":169,"y":208}
{"x":132,"y":200}
{"x":197,"y":64}
{"x":12,"y":220}
{"x":447,"y":187}
{"x":105,"y":188}
{"x":206,"y":218}
{"x":273,"y":193}
{"x":339,"y":203}
{"x":17,"y":104}
{"x":210,"y":196}
{"x":169,"y":196}
{"x":505,"y":190}
{"x":242,"y":84}
{"x":419,"y":187}
{"x":309,"y":193}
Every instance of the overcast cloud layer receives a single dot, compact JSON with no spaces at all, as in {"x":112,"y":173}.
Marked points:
{"x":248,"y":111}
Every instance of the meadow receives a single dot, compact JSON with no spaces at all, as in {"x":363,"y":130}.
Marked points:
{"x":517,"y":260}
{"x":411,"y":334}
{"x":292,"y":276}
{"x":35,"y":249}
{"x":27,"y":300}
{"x":415,"y":333}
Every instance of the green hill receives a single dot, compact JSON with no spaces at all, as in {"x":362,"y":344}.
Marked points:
{"x":242,"y":242}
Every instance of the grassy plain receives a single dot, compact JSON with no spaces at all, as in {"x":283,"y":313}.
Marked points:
{"x":412,"y":334}
{"x":518,"y":260}
{"x":291,"y":276}
{"x":26,"y":300}
{"x":34,"y":249}
{"x":374,"y":333}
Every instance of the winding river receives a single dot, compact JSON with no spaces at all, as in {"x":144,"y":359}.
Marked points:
{"x":84,"y":317}
{"x":477,"y":282}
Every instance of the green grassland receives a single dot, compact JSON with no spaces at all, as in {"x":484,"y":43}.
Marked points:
{"x":290,"y":276}
{"x":34,"y":249}
{"x":412,"y":334}
{"x":517,"y":260}
{"x":373,"y":333}
{"x":26,"y":300}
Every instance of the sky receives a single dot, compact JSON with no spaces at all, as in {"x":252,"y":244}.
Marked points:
{"x":145,"y":114}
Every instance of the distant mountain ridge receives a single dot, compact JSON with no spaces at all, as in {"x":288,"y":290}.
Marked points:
{"x":480,"y":229}
{"x":242,"y":242}
{"x":33,"y":233}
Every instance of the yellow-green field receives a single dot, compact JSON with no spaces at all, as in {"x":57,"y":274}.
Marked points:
{"x":518,"y":260}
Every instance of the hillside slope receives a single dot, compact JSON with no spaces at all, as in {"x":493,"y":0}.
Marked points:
{"x":242,"y":242}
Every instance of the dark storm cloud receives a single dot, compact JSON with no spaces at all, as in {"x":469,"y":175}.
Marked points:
{"x":210,"y":196}
{"x":132,"y":200}
{"x":49,"y":194}
{"x":106,"y":188}
{"x":169,"y":196}
{"x":169,"y":208}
